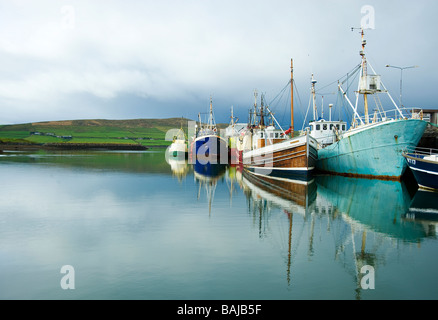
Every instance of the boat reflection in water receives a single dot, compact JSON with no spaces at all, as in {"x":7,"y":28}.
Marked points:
{"x":324,"y":231}
{"x":375,"y":212}
{"x":179,"y":167}
{"x":264,"y":194}
{"x":371,"y":205}
{"x":207,"y":176}
{"x":365,"y":218}
{"x":423,"y":212}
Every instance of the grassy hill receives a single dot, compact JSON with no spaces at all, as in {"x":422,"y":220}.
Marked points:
{"x":144,"y":132}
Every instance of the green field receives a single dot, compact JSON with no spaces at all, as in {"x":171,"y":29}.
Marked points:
{"x":145,"y":132}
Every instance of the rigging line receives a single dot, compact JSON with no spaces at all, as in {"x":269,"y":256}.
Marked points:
{"x":339,"y":79}
{"x":340,"y":106}
{"x":279,"y":96}
{"x":281,"y":92}
{"x":299,"y":99}
{"x":324,"y":93}
{"x":354,"y":73}
{"x":353,"y":79}
{"x":346,"y":111}
{"x":307,"y":112}
{"x":285,"y":109}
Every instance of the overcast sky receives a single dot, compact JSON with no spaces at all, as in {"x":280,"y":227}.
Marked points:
{"x":114,"y":59}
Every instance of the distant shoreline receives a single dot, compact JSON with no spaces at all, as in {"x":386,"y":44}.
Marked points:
{"x":73,"y":146}
{"x":136,"y":134}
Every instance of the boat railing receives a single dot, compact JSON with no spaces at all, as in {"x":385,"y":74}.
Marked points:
{"x":421,"y":151}
{"x":387,"y":115}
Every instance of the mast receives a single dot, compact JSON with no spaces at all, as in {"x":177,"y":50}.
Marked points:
{"x":369,"y":84}
{"x":322,"y":107}
{"x":364,"y":75}
{"x":262,"y":116}
{"x":211,"y":123}
{"x":210,"y":120}
{"x":255,"y":108}
{"x":315,"y":112}
{"x":291,"y":98}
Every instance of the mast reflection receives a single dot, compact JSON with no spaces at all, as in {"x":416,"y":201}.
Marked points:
{"x":291,"y":196}
{"x":365,"y":218}
{"x":207,"y":176}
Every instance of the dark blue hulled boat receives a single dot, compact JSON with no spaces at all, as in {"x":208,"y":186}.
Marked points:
{"x":424,"y":165}
{"x":207,"y":146}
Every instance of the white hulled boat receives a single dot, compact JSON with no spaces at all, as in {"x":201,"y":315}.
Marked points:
{"x":233,"y":133}
{"x":325,"y":132}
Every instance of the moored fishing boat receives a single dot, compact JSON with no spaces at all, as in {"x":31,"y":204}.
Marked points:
{"x":372,"y":146}
{"x":325,"y":132}
{"x":233,"y":132}
{"x":178,"y":148}
{"x":424,"y":165}
{"x":207,"y":146}
{"x":269,"y":151}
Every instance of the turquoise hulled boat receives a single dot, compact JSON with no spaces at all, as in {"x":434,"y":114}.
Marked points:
{"x":373,"y":145}
{"x":372,"y":151}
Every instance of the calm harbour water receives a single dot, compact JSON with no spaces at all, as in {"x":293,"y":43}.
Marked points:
{"x":136,"y":227}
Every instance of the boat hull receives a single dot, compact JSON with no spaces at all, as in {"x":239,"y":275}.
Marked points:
{"x":425,"y":171}
{"x":233,"y":150}
{"x":293,"y":159}
{"x":374,"y":151}
{"x":178,"y":149}
{"x":209,"y":149}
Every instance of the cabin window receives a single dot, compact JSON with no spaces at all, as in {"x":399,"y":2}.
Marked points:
{"x":271,"y":135}
{"x":337,"y":126}
{"x":331,"y":127}
{"x":324,"y":127}
{"x":318,"y":127}
{"x":261,"y":134}
{"x":276,"y":135}
{"x":343,"y":127}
